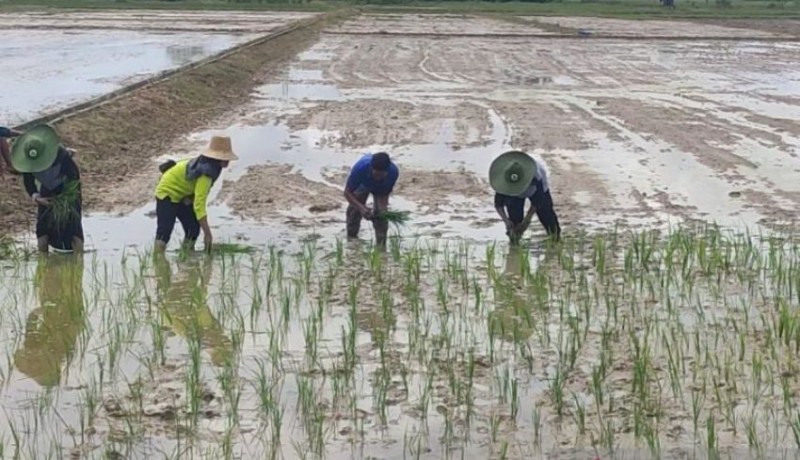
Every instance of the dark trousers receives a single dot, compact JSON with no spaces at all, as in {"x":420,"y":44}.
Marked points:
{"x":543,"y":201}
{"x":166,"y":214}
{"x":354,"y":219}
{"x":59,"y":236}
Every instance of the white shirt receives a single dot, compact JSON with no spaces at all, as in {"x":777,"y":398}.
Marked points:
{"x":540,"y":176}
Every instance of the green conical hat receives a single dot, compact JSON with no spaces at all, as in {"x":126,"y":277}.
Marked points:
{"x":35,"y":150}
{"x":511,"y":173}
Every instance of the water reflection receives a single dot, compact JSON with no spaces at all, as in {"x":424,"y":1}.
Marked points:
{"x":51,"y":330}
{"x":184,"y":54}
{"x":183,"y":304}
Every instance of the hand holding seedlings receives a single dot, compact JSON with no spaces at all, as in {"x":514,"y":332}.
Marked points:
{"x":41,"y":201}
{"x":376,"y":175}
{"x":367,"y":213}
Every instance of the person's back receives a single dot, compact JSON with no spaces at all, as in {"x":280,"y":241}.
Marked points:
{"x":174,"y":182}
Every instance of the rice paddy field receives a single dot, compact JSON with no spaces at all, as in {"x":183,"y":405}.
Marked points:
{"x":666,"y":324}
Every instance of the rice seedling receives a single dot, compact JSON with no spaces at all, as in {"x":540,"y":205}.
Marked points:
{"x":63,"y":207}
{"x":631,"y":328}
{"x":396,"y":218}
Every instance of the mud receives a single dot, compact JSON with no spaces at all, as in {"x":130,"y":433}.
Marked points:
{"x":641,"y":133}
{"x":265,"y":191}
{"x":788,"y":27}
{"x":655,"y":28}
{"x":399,"y":123}
{"x":440,"y":24}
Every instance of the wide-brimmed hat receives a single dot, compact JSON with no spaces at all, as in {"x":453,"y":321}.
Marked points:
{"x":220,"y":149}
{"x":512,"y":172}
{"x":35,"y":150}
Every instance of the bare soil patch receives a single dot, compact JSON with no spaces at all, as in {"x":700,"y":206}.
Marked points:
{"x":444,"y":24}
{"x":267,"y":190}
{"x":650,"y":28}
{"x":393,"y":122}
{"x":788,"y":27}
{"x":700,"y":134}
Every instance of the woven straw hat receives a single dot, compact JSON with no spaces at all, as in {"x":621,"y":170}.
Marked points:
{"x":220,"y":149}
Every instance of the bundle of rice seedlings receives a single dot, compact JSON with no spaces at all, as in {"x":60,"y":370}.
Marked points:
{"x":232,"y":248}
{"x":62,"y":207}
{"x":397,"y":218}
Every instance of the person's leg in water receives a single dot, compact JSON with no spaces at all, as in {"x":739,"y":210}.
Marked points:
{"x":76,"y":228}
{"x":42,"y":229}
{"x":68,"y":239}
{"x":547,"y":215}
{"x":515,"y":207}
{"x":190,"y":224}
{"x":379,"y":204}
{"x":353,"y":216}
{"x":166,"y":213}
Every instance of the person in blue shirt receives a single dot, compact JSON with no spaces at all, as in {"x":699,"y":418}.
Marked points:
{"x":5,"y":134}
{"x":373,"y":174}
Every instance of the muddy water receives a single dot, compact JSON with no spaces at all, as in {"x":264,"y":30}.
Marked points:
{"x":53,"y":69}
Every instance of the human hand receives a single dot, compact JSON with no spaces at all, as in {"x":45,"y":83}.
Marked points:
{"x":41,"y":201}
{"x":208,"y":239}
{"x":367,"y":213}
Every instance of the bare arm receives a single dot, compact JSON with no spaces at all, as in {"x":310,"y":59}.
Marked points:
{"x":351,"y":198}
{"x":500,"y":207}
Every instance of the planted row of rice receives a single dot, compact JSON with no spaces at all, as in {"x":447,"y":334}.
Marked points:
{"x":686,"y":340}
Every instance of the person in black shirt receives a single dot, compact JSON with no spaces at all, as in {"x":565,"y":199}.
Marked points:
{"x":49,"y":173}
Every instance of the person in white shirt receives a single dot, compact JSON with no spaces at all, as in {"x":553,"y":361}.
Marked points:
{"x":515,"y":177}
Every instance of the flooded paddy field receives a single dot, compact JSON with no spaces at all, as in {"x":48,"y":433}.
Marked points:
{"x":647,"y":331}
{"x":65,"y":58}
{"x":672,"y":29}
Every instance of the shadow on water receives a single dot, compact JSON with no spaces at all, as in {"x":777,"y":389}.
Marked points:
{"x":52,"y":329}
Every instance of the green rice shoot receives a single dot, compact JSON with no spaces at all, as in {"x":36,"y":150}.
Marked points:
{"x":62,"y":207}
{"x":231,"y":248}
{"x":397,"y":218}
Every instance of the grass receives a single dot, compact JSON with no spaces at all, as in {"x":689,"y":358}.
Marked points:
{"x":645,"y":341}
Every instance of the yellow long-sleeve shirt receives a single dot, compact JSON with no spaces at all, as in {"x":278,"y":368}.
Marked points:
{"x":175,"y":186}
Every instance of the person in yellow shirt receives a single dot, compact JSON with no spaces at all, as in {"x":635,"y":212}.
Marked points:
{"x":183,"y":191}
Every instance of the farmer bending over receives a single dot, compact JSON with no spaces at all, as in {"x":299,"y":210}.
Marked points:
{"x":515,"y":176}
{"x":5,"y":134}
{"x":53,"y":181}
{"x":373,"y":174}
{"x":183,"y":191}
